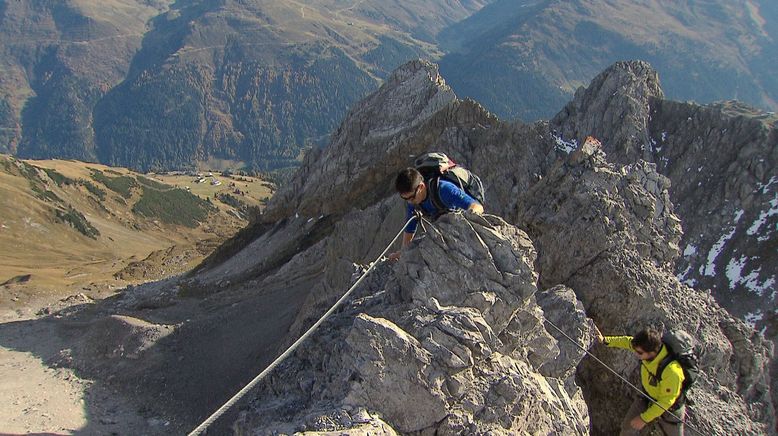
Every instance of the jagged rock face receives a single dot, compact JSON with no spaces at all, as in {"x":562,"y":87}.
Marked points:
{"x":606,"y":232}
{"x":615,"y":249}
{"x":448,"y":340}
{"x":410,"y":97}
{"x":620,"y":208}
{"x":614,"y":108}
{"x":722,"y":162}
{"x":414,"y":112}
{"x":725,"y":184}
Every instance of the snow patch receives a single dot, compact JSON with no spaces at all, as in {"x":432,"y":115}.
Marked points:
{"x":773,"y":179}
{"x":654,"y":148}
{"x":682,"y":278}
{"x":690,"y":250}
{"x":754,"y":229}
{"x":718,"y":246}
{"x":664,"y":136}
{"x":752,"y":318}
{"x":714,"y":252}
{"x":565,"y":146}
{"x":753,"y":285}
{"x":734,"y":272}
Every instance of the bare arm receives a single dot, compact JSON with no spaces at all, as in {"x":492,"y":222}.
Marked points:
{"x":407,"y":238}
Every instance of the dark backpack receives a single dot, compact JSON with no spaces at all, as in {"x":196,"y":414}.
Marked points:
{"x":436,"y":166}
{"x":681,"y":348}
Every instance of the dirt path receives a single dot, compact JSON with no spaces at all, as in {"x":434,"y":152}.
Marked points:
{"x":38,"y":397}
{"x":140,"y":362}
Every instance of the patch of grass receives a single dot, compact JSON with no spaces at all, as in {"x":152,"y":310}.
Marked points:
{"x":91,"y":187}
{"x":58,"y":177}
{"x":153,"y":184}
{"x":28,"y":171}
{"x":174,"y":206}
{"x":77,"y":220}
{"x":246,"y":210}
{"x":47,"y":195}
{"x":37,"y":186}
{"x":122,"y":185}
{"x":24,"y":278}
{"x":6,"y":163}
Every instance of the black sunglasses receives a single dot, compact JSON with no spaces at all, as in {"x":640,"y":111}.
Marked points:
{"x":412,"y":196}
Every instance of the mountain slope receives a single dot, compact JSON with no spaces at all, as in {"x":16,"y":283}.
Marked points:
{"x":67,"y":225}
{"x":562,"y":200}
{"x":461,"y":323}
{"x":525,"y":58}
{"x":721,"y":161}
{"x":249,"y":81}
{"x":161,"y":84}
{"x":58,"y":59}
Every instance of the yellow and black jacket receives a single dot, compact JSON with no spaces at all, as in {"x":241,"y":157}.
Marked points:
{"x":664,"y":391}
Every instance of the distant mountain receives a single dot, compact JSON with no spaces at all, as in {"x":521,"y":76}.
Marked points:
{"x":525,"y":58}
{"x":58,"y":59}
{"x":158,"y":85}
{"x":163,"y":84}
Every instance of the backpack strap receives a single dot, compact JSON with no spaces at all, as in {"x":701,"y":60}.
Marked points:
{"x":433,"y":193}
{"x":660,"y":369}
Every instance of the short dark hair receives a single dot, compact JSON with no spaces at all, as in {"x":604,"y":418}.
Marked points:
{"x":648,"y":340}
{"x":407,"y":180}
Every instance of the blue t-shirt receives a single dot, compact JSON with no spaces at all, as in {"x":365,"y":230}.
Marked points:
{"x":451,"y":195}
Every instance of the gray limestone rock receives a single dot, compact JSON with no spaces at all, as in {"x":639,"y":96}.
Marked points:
{"x":385,"y":120}
{"x":459,"y":324}
{"x":599,"y":230}
{"x":436,"y":349}
{"x":615,"y":108}
{"x":722,"y":161}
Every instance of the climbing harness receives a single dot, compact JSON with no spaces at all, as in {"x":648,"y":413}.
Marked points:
{"x":210,"y":420}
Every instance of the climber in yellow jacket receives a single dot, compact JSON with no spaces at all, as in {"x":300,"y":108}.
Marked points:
{"x":664,"y":388}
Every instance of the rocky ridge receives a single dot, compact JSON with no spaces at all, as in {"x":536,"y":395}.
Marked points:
{"x":466,"y":357}
{"x":721,"y":161}
{"x":606,"y":232}
{"x":575,"y":234}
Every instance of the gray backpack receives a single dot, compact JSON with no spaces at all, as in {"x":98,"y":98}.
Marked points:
{"x":682,"y":348}
{"x":436,"y":166}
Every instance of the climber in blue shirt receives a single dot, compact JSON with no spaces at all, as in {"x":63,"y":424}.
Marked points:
{"x":415,"y":190}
